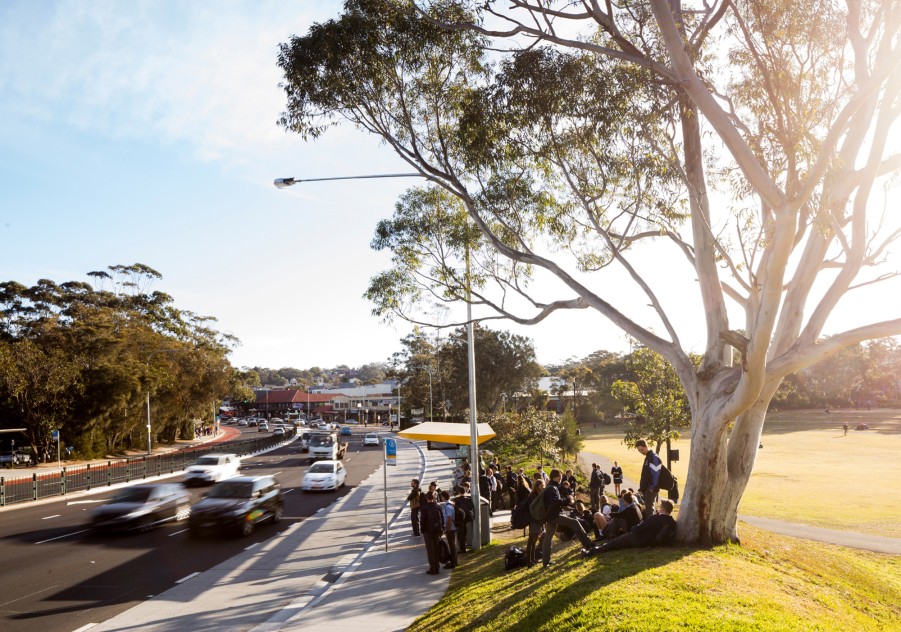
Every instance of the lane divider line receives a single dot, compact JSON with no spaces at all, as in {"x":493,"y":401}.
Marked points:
{"x":187,"y":577}
{"x":60,"y":537}
{"x":49,"y":517}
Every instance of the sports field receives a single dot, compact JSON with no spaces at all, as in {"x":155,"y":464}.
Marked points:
{"x":808,"y":471}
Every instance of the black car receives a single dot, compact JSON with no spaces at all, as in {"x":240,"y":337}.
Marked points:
{"x":142,"y":507}
{"x":238,"y":504}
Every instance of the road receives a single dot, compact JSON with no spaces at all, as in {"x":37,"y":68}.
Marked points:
{"x":58,"y":576}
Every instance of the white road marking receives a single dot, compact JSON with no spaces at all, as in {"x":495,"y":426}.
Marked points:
{"x":186,"y":578}
{"x":49,"y":517}
{"x":177,"y":532}
{"x":31,"y":595}
{"x":83,"y":502}
{"x":255,"y":544}
{"x":85,"y":627}
{"x":287,"y":491}
{"x":60,"y":537}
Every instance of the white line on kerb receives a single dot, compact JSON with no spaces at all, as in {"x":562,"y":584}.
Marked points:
{"x":255,"y":544}
{"x":177,"y":532}
{"x":49,"y":517}
{"x":87,"y":626}
{"x":186,"y":578}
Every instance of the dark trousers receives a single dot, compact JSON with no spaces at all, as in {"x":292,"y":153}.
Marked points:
{"x":511,"y":496}
{"x":550,"y":528}
{"x":462,"y":532}
{"x":431,"y":550}
{"x":596,"y":498}
{"x":414,"y":519}
{"x":650,"y":498}
{"x":625,"y":541}
{"x":452,"y":545}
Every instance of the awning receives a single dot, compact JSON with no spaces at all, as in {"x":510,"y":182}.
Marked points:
{"x":442,"y":432}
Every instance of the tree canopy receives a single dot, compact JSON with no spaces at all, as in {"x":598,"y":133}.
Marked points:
{"x":746,"y":141}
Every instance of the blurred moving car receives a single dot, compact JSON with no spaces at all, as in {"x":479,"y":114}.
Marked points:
{"x":142,"y":507}
{"x":242,"y":422}
{"x":346,"y":431}
{"x":264,"y":427}
{"x":278,"y":432}
{"x":238,"y":505}
{"x":211,"y":468}
{"x":324,"y":475}
{"x":371,"y":439}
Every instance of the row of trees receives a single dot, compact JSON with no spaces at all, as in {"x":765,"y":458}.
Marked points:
{"x":81,"y":358}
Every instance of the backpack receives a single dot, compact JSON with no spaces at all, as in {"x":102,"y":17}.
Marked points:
{"x":514,"y":558}
{"x":607,"y":479}
{"x":432,"y":519}
{"x":444,"y":551}
{"x":459,"y":515}
{"x":520,"y":517}
{"x":665,"y":478}
{"x":673,"y":492}
{"x":537,"y":508}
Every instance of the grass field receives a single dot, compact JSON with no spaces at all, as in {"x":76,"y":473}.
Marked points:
{"x":808,"y":471}
{"x":770,"y":583}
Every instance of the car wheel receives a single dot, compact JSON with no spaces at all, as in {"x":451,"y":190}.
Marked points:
{"x":183,"y":512}
{"x":246,"y":527}
{"x":277,"y":514}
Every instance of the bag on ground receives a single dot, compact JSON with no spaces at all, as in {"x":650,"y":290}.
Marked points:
{"x":444,"y":551}
{"x":514,"y":558}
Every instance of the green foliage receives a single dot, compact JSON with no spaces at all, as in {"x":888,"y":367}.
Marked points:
{"x":81,"y":360}
{"x":570,"y":442}
{"x":655,"y":395}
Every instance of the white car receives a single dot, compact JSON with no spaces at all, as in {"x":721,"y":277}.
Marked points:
{"x":212,"y":468}
{"x":371,"y":439}
{"x":324,"y":475}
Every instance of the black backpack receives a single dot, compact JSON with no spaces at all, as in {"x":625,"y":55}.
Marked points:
{"x":537,"y":508}
{"x":432,"y":520}
{"x":514,"y":558}
{"x":607,"y":479}
{"x":520,"y":517}
{"x":444,"y":551}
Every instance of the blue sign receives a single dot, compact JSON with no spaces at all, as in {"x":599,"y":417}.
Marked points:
{"x":390,"y":452}
{"x":54,"y":435}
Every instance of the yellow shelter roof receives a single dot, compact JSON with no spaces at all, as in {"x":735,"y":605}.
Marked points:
{"x":443,"y":432}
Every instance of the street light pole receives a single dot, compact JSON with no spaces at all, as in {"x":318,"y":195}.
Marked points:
{"x":283,"y":183}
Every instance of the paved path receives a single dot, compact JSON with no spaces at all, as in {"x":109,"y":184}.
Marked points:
{"x":865,"y":541}
{"x":329,"y":571}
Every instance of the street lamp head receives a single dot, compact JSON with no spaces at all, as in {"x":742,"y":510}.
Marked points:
{"x":284,"y":183}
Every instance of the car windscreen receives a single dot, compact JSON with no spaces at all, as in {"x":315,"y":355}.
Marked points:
{"x":132,"y":495}
{"x":231,"y":490}
{"x":321,"y":468}
{"x":207,"y":460}
{"x":321,"y":440}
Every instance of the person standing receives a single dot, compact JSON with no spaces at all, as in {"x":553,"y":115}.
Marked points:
{"x":540,"y":472}
{"x":554,"y":503}
{"x":510,"y":481}
{"x":449,"y":512}
{"x":432,"y":522}
{"x":464,"y":502}
{"x":536,"y":528}
{"x":415,"y":498}
{"x":485,"y":479}
{"x":596,"y":486}
{"x":648,"y":486}
{"x":617,"y":473}
{"x":492,"y":490}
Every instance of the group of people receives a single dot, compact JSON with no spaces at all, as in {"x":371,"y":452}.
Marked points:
{"x":545,"y":504}
{"x":438,"y":516}
{"x":631,"y":520}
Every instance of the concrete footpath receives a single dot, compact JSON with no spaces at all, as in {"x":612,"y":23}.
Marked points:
{"x":330,"y":570}
{"x":851,"y":539}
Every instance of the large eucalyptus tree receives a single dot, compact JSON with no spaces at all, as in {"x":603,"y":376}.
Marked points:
{"x":748,"y":138}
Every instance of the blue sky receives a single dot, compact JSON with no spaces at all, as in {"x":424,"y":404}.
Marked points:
{"x":145,"y":132}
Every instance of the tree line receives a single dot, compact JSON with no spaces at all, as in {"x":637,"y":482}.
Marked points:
{"x":82,"y":358}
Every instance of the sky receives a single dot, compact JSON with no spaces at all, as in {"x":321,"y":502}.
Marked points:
{"x":145,"y":131}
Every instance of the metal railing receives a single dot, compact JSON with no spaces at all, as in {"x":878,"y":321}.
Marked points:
{"x":78,"y":478}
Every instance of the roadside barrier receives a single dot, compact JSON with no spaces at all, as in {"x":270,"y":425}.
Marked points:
{"x":78,"y":478}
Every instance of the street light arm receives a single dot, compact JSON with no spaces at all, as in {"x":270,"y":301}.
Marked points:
{"x":284,"y":183}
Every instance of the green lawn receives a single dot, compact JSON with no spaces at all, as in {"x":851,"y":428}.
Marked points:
{"x":770,"y":583}
{"x":807,"y":470}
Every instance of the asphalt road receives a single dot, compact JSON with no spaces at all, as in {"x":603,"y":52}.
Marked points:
{"x":55,"y":575}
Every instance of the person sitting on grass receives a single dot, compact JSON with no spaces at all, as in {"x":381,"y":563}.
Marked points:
{"x":626,"y":518}
{"x":555,"y":502}
{"x":658,"y":529}
{"x":592,"y":521}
